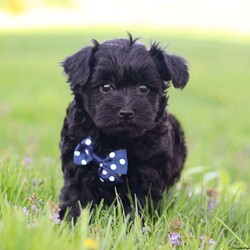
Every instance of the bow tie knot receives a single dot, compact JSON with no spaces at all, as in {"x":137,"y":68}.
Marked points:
{"x":110,"y":168}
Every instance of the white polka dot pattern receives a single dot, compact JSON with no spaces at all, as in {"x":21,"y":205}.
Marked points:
{"x":77,"y":153}
{"x":113,"y":166}
{"x":122,"y":161}
{"x":83,"y":162}
{"x":88,"y":142}
{"x":112,"y":178}
{"x":112,"y":155}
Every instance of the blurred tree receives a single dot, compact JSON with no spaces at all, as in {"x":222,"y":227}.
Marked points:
{"x":15,"y":7}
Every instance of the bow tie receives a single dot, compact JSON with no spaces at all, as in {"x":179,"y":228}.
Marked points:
{"x":110,"y":168}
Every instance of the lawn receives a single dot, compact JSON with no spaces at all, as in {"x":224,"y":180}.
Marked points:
{"x":208,"y":208}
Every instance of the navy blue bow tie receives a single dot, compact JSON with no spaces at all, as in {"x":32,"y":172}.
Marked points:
{"x":110,"y":168}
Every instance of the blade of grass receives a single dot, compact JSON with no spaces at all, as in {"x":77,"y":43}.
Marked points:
{"x":232,"y":232}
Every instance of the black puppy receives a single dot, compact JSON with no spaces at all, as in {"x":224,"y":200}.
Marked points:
{"x":117,"y":135}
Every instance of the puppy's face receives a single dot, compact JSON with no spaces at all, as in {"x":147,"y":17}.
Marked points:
{"x":124,"y":91}
{"x":120,"y":84}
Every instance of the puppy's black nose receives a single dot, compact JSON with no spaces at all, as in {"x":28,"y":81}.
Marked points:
{"x":126,"y":114}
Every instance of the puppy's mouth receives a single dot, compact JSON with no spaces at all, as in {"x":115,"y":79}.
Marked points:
{"x":124,"y":124}
{"x":124,"y":129}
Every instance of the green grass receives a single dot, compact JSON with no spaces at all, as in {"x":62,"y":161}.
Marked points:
{"x":213,"y":108}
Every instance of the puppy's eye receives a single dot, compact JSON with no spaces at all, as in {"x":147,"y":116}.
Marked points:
{"x":106,"y":87}
{"x":144,"y":89}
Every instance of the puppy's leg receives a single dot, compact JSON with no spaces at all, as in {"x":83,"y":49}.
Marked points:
{"x":72,"y":197}
{"x":69,"y":200}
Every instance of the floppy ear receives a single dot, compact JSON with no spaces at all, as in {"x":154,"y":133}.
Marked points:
{"x":78,"y":66}
{"x":171,"y":67}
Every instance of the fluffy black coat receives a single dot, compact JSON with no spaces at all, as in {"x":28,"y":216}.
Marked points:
{"x":119,"y":89}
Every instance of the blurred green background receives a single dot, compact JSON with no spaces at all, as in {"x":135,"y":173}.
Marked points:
{"x":213,"y":108}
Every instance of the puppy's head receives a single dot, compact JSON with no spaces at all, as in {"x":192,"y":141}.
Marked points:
{"x":121,"y":84}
